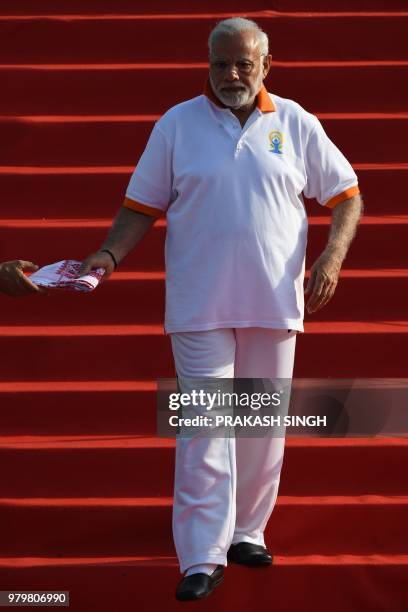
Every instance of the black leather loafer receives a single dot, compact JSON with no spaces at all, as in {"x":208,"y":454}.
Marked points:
{"x":197,"y":586}
{"x":249,"y":554}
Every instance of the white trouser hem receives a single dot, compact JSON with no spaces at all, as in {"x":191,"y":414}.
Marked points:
{"x":202,"y":560}
{"x":244,"y":538}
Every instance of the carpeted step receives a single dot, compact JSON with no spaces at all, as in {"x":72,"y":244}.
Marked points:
{"x":134,"y":7}
{"x":86,"y":406}
{"x":52,"y":192}
{"x":114,"y":89}
{"x":46,"y":241}
{"x":368,"y":6}
{"x":68,"y":527}
{"x":98,"y":352}
{"x":140,"y":296}
{"x":90,"y":465}
{"x":305,"y":582}
{"x":26,"y":7}
{"x":37,"y":39}
{"x":35,"y":408}
{"x":120,"y":140}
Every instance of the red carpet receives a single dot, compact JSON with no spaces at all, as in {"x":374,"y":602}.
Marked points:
{"x":86,"y":486}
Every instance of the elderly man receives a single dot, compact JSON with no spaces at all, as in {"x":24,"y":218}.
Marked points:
{"x":14,"y":282}
{"x":229,"y":168}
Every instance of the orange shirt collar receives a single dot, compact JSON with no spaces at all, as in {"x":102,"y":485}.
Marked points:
{"x":264,"y":102}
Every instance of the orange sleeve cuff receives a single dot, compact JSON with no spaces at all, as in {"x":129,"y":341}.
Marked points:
{"x":344,"y":195}
{"x":143,"y":208}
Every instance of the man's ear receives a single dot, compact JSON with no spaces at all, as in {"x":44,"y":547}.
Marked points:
{"x":267,"y":64}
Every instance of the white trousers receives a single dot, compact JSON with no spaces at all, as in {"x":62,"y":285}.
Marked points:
{"x":225,"y":488}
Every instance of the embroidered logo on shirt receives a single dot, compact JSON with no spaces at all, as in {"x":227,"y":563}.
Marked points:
{"x":276,"y":142}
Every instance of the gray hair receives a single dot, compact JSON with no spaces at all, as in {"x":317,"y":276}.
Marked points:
{"x":233,"y":25}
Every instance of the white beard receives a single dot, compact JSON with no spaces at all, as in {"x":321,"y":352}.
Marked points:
{"x":239,"y":98}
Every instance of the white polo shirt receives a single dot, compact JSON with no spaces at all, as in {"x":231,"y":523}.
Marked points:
{"x":236,"y":221}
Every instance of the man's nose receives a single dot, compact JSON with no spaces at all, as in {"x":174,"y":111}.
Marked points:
{"x":232,"y":73}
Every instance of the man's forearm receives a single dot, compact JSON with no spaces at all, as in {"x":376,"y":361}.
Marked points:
{"x":127,"y":230}
{"x":345,"y":218}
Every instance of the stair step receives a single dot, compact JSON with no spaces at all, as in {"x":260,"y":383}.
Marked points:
{"x":93,"y":466}
{"x":298,"y":526}
{"x":109,"y":90}
{"x":375,"y":349}
{"x":141,"y":296}
{"x":82,"y":8}
{"x":51,"y":240}
{"x":87,"y":408}
{"x":121,"y":139}
{"x":110,"y":583}
{"x":118,"y":7}
{"x":37,"y":39}
{"x":52,"y":192}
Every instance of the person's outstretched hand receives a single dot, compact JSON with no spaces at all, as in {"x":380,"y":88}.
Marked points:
{"x":97,"y":260}
{"x":14,"y":282}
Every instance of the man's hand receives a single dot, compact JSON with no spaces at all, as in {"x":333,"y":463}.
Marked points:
{"x":128,"y":228}
{"x":14,"y":282}
{"x":97,"y":260}
{"x":324,"y":275}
